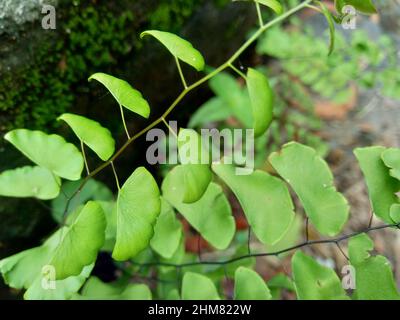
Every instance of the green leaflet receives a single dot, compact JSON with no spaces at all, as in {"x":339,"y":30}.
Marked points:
{"x":395,"y":213}
{"x":80,"y":243}
{"x":138,"y":207}
{"x":134,"y":292}
{"x":359,"y":247}
{"x":364,"y":6}
{"x":90,"y":132}
{"x":171,"y":288}
{"x":179,"y":255}
{"x":64,"y":289}
{"x":212,"y":111}
{"x":167,"y":232}
{"x":291,"y":237}
{"x":25,"y":271}
{"x":339,"y":5}
{"x":273,"y":4}
{"x":331,"y":23}
{"x":374,"y":277}
{"x":95,"y":289}
{"x":281,"y":281}
{"x":230,"y":269}
{"x":391,"y":158}
{"x":265,"y":200}
{"x":250,"y":286}
{"x":232,"y":97}
{"x":20,"y":270}
{"x":92,"y":190}
{"x":381,"y":186}
{"x":198,"y":287}
{"x":195,"y":176}
{"x":29,"y":181}
{"x":312,"y":180}
{"x":191,"y":147}
{"x":125,"y":95}
{"x":314,"y":281}
{"x":110,"y":212}
{"x":211,"y":215}
{"x":196,"y":179}
{"x":178,"y":47}
{"x":375,"y":281}
{"x":48,"y":151}
{"x":109,"y":209}
{"x":261,"y":97}
{"x":225,"y":86}
{"x":173,"y":295}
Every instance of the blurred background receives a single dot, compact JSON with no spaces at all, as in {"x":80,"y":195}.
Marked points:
{"x":333,"y":104}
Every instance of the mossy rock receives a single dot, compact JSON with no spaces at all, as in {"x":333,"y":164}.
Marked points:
{"x":44,"y":72}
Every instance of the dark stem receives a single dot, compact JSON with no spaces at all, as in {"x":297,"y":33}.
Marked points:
{"x":371,"y":219}
{"x":249,"y":241}
{"x":307,"y":236}
{"x":199,"y":246}
{"x":341,"y":250}
{"x":266,"y":254}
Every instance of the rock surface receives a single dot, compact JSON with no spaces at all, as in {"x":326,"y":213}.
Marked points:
{"x":15,"y":13}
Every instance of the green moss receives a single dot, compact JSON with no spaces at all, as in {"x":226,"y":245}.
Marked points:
{"x":89,"y":37}
{"x":170,"y":15}
{"x":96,"y":39}
{"x":35,"y":95}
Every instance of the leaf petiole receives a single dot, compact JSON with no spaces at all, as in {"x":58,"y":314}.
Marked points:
{"x":84,"y":158}
{"x":260,"y":19}
{"x":178,"y":64}
{"x":124,"y":123}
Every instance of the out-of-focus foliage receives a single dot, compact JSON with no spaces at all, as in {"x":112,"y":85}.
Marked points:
{"x":362,"y":60}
